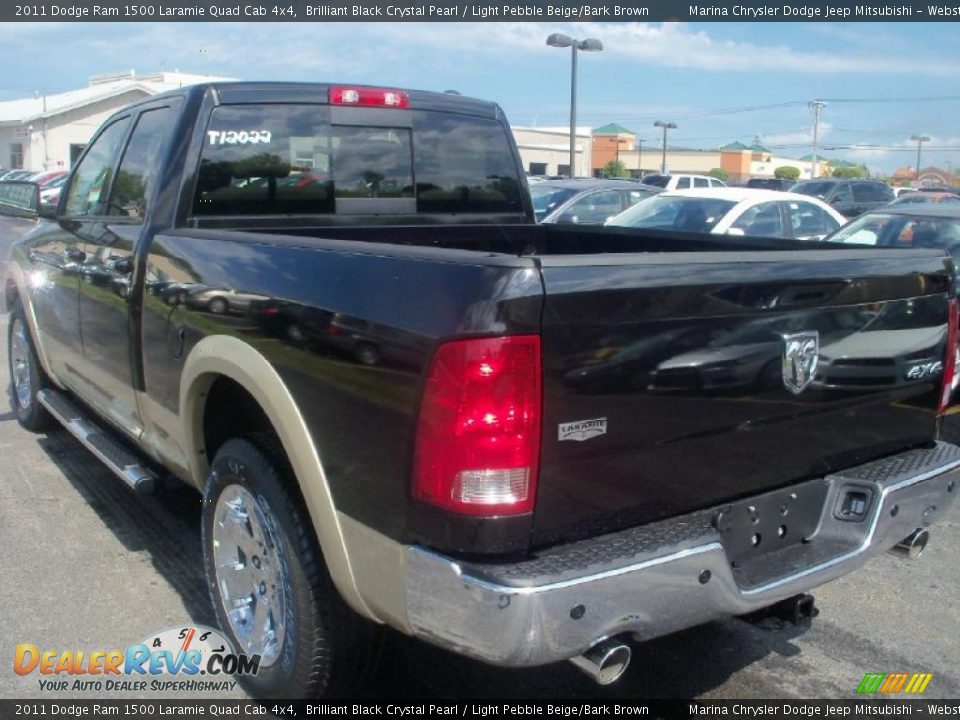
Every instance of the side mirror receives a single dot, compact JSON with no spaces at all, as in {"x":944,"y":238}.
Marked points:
{"x":568,"y":218}
{"x":20,"y":199}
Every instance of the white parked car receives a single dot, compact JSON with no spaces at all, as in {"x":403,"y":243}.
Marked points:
{"x":735,"y":211}
{"x":682,"y":181}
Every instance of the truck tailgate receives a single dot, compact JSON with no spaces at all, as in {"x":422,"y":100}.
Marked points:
{"x":666,"y":375}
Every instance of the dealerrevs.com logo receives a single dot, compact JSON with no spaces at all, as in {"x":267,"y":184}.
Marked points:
{"x":179,"y":659}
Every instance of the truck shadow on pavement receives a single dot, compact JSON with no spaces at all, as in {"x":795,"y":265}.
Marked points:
{"x":167,"y":527}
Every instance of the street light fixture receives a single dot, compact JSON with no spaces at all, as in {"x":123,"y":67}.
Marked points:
{"x":560,"y":40}
{"x":919,"y":140}
{"x":663,"y":157}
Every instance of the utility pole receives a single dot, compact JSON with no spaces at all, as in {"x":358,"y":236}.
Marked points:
{"x":663,"y":151}
{"x":816,"y":106}
{"x":919,"y":140}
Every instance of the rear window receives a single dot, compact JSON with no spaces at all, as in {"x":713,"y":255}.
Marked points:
{"x":656,"y":180}
{"x":290,"y":159}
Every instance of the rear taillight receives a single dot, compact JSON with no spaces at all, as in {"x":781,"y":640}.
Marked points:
{"x":369,"y":97}
{"x":478,"y":437}
{"x":950,"y":360}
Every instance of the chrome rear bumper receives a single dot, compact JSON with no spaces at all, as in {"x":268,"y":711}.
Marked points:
{"x":557,"y":606}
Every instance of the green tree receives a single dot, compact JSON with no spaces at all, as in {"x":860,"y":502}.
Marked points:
{"x":850,"y":173}
{"x":787,"y":172}
{"x":614,"y":169}
{"x":720,"y":174}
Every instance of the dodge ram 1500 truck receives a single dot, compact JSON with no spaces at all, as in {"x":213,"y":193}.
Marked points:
{"x":328,"y":308}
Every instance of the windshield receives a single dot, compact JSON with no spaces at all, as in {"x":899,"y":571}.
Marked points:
{"x":901,"y":231}
{"x":546,"y":199}
{"x":668,"y":212}
{"x":814,"y":189}
{"x":656,"y":180}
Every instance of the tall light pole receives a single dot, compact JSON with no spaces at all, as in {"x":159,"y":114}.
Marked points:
{"x":663,"y":155}
{"x":639,"y":157}
{"x":816,"y":106}
{"x":919,"y":140}
{"x":589,"y":45}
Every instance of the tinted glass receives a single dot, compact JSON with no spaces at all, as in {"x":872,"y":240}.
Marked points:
{"x":463,"y":164}
{"x":842,"y":194}
{"x":595,"y":208}
{"x":700,"y":182}
{"x":667,"y":212}
{"x":761,"y":220}
{"x":872,"y":192}
{"x":139,"y":164}
{"x":683,"y":183}
{"x":635,"y":196}
{"x":820,"y":189}
{"x":656,"y":180}
{"x":547,"y":198}
{"x":266,"y":159}
{"x":92,"y":177}
{"x":281,"y":159}
{"x":372,"y":162}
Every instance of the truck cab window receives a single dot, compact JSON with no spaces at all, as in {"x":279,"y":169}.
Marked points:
{"x":92,"y":178}
{"x":138,"y":166}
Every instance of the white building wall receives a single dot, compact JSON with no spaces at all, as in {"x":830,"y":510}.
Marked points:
{"x":552,"y":146}
{"x":50,"y":138}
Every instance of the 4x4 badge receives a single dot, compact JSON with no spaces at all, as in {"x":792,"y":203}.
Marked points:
{"x":801,"y":353}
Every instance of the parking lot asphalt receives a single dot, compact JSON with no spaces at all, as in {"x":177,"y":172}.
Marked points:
{"x":85,"y":564}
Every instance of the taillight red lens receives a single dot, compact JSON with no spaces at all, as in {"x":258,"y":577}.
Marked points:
{"x":950,"y":361}
{"x":369,"y":97}
{"x":478,"y":437}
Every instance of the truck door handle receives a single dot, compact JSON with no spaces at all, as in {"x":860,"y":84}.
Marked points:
{"x":74,"y":254}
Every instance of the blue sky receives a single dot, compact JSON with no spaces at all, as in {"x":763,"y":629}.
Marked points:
{"x":694,"y":74}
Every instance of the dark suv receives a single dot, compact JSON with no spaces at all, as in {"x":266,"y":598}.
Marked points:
{"x":850,"y":198}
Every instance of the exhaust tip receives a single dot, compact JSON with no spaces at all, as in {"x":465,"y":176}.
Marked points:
{"x":913,"y":545}
{"x":605,"y":662}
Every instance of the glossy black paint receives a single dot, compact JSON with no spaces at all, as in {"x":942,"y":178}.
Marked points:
{"x":646,"y":330}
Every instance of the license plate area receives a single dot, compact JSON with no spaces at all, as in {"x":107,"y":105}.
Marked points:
{"x":772,"y":521}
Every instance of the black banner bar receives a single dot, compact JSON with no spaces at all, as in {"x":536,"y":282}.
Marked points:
{"x":754,"y":709}
{"x":480,"y":11}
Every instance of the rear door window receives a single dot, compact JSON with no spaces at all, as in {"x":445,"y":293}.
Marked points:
{"x":140,"y":162}
{"x":683,"y":183}
{"x":761,"y":220}
{"x":594,"y":208}
{"x":700,"y":182}
{"x":872,"y":192}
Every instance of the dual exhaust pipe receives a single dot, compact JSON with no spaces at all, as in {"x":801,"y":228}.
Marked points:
{"x":605,"y":662}
{"x":913,"y":545}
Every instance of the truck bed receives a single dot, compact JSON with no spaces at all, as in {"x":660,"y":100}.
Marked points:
{"x":673,"y":342}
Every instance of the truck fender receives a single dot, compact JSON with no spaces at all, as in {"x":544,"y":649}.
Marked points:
{"x":223,"y":355}
{"x":16,"y":276}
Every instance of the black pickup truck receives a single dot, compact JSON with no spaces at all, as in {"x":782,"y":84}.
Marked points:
{"x":328,"y":308}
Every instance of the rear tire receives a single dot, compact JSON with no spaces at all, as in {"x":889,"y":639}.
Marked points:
{"x":312,"y":644}
{"x":26,"y":376}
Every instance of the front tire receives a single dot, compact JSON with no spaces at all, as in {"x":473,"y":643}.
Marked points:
{"x":26,"y":376}
{"x":271,"y":590}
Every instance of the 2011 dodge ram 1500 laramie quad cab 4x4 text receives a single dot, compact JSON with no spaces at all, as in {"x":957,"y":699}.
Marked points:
{"x":329,"y":309}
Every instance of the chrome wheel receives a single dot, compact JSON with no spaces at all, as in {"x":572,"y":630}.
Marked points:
{"x":251,"y":576}
{"x":20,"y":364}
